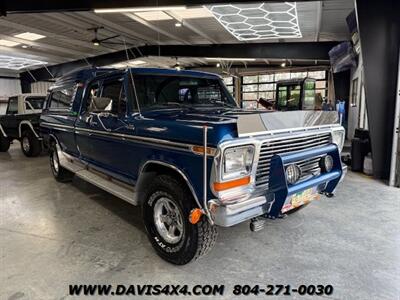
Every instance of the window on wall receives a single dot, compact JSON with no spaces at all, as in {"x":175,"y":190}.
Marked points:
{"x":230,"y":84}
{"x":354,"y":92}
{"x":259,"y":86}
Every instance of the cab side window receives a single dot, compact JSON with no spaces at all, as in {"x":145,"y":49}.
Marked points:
{"x":12,"y":108}
{"x":61,"y":100}
{"x":110,"y":97}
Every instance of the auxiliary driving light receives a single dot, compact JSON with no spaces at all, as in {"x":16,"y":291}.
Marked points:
{"x":293,"y":173}
{"x":326,"y":163}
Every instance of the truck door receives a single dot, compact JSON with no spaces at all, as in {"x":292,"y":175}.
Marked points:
{"x":58,"y":118}
{"x":101,"y":126}
{"x":9,"y":121}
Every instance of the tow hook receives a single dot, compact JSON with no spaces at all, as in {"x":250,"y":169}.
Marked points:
{"x":256,"y":224}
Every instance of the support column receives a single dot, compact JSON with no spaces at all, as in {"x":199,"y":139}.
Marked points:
{"x":380,"y":37}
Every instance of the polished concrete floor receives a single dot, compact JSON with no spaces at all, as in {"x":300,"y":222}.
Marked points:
{"x":54,"y":234}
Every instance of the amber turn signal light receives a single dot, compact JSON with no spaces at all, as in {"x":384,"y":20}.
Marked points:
{"x":200,"y":150}
{"x":221,"y":186}
{"x":195,"y":215}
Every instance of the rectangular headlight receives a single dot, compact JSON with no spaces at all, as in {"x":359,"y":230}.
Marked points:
{"x":338,"y":137}
{"x":237,"y":162}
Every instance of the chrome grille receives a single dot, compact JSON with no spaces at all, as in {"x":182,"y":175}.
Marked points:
{"x":287,"y":145}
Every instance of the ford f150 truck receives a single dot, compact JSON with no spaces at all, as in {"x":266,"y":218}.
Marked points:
{"x":176,"y":143}
{"x":21,"y":122}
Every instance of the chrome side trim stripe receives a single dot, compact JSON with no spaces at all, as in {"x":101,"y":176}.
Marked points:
{"x":153,"y":141}
{"x":50,"y":125}
{"x":140,"y":139}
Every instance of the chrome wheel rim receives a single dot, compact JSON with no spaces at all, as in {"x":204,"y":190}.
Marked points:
{"x":55,"y":162}
{"x":25,"y":144}
{"x":168,"y":220}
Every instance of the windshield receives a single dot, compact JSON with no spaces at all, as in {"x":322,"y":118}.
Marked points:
{"x":34,"y":102}
{"x":156,"y":91}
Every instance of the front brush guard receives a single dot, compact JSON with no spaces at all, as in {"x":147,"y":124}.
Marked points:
{"x":281,"y":189}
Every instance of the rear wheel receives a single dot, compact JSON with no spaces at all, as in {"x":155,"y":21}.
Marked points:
{"x":60,"y":174}
{"x":4,"y":143}
{"x":30,"y":145}
{"x":166,"y":212}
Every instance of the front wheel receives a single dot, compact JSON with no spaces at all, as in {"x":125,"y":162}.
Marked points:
{"x":166,"y":212}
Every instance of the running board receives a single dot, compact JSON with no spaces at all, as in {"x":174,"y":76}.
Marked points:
{"x":112,"y":186}
{"x":109,"y":184}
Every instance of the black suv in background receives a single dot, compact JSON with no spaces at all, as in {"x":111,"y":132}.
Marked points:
{"x":21,"y":122}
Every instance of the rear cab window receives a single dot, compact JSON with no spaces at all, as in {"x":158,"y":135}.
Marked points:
{"x":34,"y":103}
{"x":61,"y":99}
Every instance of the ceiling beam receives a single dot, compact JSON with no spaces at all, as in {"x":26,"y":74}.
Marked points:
{"x":318,"y":20}
{"x":10,"y":24}
{"x":40,"y":46}
{"x":297,"y":50}
{"x":29,"y":6}
{"x":155,"y":28}
{"x":186,"y":23}
{"x":30,"y":54}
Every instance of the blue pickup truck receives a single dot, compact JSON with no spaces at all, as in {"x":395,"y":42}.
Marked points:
{"x":176,"y":143}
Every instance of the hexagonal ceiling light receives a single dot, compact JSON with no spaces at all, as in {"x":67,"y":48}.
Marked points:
{"x":18,"y":63}
{"x":258,"y":21}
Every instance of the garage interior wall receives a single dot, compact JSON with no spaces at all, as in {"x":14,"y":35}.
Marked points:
{"x":9,"y":85}
{"x":40,"y":87}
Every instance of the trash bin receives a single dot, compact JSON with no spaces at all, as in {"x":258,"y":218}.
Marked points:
{"x":368,"y":165}
{"x":357,"y":159}
{"x":360,"y":147}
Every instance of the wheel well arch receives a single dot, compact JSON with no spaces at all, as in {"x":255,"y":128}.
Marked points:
{"x":26,"y":125}
{"x":153,"y":168}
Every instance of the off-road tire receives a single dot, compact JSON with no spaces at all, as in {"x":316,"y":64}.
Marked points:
{"x":35,"y":145}
{"x":60,"y":174}
{"x":4,"y":143}
{"x":197,"y":240}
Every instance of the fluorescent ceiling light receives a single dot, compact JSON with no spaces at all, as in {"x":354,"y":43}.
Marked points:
{"x":153,"y":15}
{"x":229,"y":59}
{"x":193,"y":13}
{"x":258,"y":21}
{"x":30,"y":36}
{"x":8,"y":43}
{"x":135,"y":9}
{"x":18,"y":63}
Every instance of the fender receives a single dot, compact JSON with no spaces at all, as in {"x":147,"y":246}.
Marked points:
{"x":2,"y":131}
{"x":30,"y":125}
{"x":173,"y":167}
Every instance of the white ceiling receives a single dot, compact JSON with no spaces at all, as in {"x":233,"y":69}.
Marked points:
{"x":67,"y":37}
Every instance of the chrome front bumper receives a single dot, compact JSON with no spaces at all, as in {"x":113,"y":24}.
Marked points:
{"x":232,"y":214}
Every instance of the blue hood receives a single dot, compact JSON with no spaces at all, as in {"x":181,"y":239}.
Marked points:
{"x":186,"y":125}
